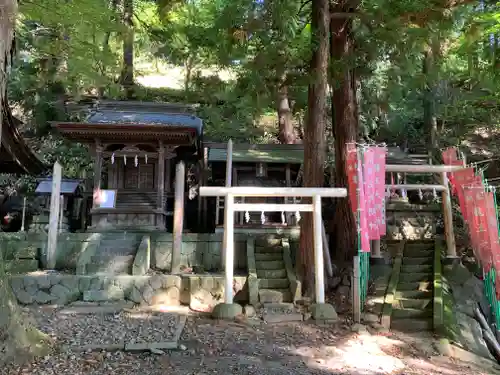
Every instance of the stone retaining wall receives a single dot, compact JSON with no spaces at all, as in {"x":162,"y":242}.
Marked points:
{"x":198,"y":250}
{"x":62,"y":289}
{"x":412,"y":222}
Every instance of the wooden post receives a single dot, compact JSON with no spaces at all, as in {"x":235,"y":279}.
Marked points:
{"x":23,"y":219}
{"x":205,"y":181}
{"x":448,"y":218}
{"x":97,"y":167}
{"x":160,"y":200}
{"x":319,"y":271}
{"x":326,"y":251}
{"x":54,"y":216}
{"x":229,"y":169}
{"x":180,"y":174}
{"x":356,"y":298}
{"x":288,"y":181}
{"x":375,"y":250}
{"x":229,"y":247}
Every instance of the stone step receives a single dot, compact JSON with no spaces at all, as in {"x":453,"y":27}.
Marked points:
{"x":268,"y":256}
{"x":271,"y":274}
{"x":114,"y":265}
{"x":275,"y":295}
{"x":267,"y":241}
{"x":408,"y":303}
{"x":411,"y":325}
{"x":413,"y":294}
{"x":429,"y":253}
{"x":274,"y":283}
{"x":417,"y":261}
{"x":415,"y":286}
{"x":416,"y":276}
{"x":268,"y":250}
{"x":420,"y":268}
{"x":270,"y":265}
{"x":418,"y":246}
{"x":408,"y":313}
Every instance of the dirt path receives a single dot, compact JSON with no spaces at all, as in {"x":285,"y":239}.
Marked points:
{"x":251,"y":347}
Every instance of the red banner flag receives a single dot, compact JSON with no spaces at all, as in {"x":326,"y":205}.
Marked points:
{"x":363,"y":216}
{"x":478,"y":225}
{"x":369,"y":187}
{"x":380,"y":160}
{"x":449,"y":155}
{"x":492,"y":222}
{"x":471,"y":224}
{"x":462,"y":178}
{"x":352,"y":175}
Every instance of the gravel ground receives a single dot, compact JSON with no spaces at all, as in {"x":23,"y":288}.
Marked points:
{"x":248,"y":347}
{"x":124,"y":327}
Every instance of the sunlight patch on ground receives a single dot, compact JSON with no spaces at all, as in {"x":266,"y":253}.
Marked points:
{"x":361,"y":353}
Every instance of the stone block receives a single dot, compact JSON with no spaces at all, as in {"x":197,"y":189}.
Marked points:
{"x":167,"y":297}
{"x":471,"y":335}
{"x":124,"y":282}
{"x":63,"y":295}
{"x":42,"y":297}
{"x":227,"y":311}
{"x":84,"y":283}
{"x":162,"y":255}
{"x":142,"y":261}
{"x":24,"y":297}
{"x":21,"y":266}
{"x":110,"y":294}
{"x":71,"y":283}
{"x":323,"y":312}
{"x":26,"y":251}
{"x":156,"y":282}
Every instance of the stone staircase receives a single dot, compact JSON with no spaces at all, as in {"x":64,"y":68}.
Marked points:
{"x":115,"y":254}
{"x":412,"y":307}
{"x":272,"y":276}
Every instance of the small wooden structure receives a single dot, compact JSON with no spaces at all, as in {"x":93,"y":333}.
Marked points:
{"x":73,"y":205}
{"x":135,"y":146}
{"x":265,"y":165}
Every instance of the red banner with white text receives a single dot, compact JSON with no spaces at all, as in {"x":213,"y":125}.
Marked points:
{"x":352,"y":175}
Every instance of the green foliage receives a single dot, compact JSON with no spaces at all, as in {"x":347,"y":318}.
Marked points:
{"x":71,"y":48}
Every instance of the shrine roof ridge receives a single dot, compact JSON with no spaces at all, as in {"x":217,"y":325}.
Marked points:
{"x":109,"y":117}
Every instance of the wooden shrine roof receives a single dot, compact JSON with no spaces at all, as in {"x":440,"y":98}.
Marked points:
{"x":293,"y":154}
{"x":115,"y":120}
{"x":15,"y":155}
{"x":261,"y":153}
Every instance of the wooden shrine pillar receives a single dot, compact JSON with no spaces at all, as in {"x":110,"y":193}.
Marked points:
{"x":161,"y":178}
{"x":97,"y":166}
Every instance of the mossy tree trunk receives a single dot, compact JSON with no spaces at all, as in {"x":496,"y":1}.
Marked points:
{"x":345,"y":127}
{"x":19,"y":340}
{"x":314,"y":135}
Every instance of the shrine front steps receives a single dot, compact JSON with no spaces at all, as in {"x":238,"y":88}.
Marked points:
{"x":413,"y":306}
{"x":273,"y":279}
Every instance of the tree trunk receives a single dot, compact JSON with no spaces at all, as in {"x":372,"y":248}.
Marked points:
{"x":345,"y":130}
{"x":128,"y":49}
{"x":429,"y":100}
{"x":314,"y":134}
{"x":105,"y":43}
{"x":18,"y":339}
{"x":286,"y":131}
